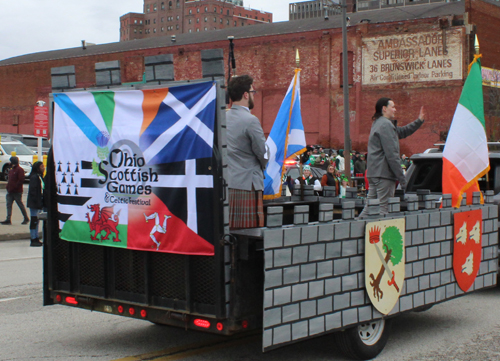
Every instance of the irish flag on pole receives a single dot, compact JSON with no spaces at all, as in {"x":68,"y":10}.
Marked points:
{"x":465,"y":156}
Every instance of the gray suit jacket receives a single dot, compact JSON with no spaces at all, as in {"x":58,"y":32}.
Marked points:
{"x":246,"y":149}
{"x":383,"y":149}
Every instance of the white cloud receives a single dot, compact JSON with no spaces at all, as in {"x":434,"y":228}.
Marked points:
{"x":42,"y":25}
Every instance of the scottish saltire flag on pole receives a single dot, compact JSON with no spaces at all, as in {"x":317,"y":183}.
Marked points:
{"x":287,"y":133}
{"x":465,"y":156}
{"x":133,"y":168}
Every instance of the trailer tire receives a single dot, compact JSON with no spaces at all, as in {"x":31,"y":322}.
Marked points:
{"x":365,"y":341}
{"x":423,"y":308}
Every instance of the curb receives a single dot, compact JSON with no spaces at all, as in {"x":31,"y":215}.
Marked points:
{"x":14,"y":236}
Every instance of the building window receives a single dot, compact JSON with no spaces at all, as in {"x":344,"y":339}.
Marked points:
{"x":197,"y":20}
{"x":162,"y":28}
{"x":162,"y":19}
{"x":242,"y":23}
{"x":215,"y":19}
{"x":163,"y":6}
{"x":206,"y":19}
{"x":228,"y":12}
{"x":190,"y":11}
{"x":205,"y":28}
{"x":135,"y":21}
{"x":147,"y":9}
{"x":140,"y":31}
{"x":221,"y":20}
{"x":235,"y":24}
{"x":189,"y":30}
{"x":154,"y":30}
{"x":228,"y":22}
{"x":221,"y":10}
{"x":177,"y":17}
{"x":154,"y":7}
{"x":197,"y":10}
{"x":206,"y":9}
{"x":135,"y":31}
{"x":189,"y":21}
{"x":140,"y":22}
{"x":215,"y":10}
{"x":170,"y":5}
{"x":198,"y":30}
{"x":154,"y":21}
{"x":178,"y":5}
{"x":177,"y":27}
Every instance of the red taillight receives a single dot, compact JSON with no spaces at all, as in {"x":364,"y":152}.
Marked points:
{"x":144,"y":313}
{"x":58,"y":298}
{"x":131,"y":310}
{"x":290,"y":162}
{"x":201,"y":323}
{"x":244,"y":324}
{"x":71,"y":300}
{"x":120,"y":309}
{"x":220,"y":326}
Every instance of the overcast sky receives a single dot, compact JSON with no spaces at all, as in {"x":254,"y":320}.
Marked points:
{"x":31,"y":26}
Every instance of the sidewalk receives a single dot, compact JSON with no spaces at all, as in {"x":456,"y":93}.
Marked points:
{"x":16,"y":230}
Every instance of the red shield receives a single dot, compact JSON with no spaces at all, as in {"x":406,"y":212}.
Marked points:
{"x":467,"y":247}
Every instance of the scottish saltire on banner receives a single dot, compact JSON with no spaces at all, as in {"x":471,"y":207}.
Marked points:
{"x":287,"y":133}
{"x":465,"y":155}
{"x":134,"y":168}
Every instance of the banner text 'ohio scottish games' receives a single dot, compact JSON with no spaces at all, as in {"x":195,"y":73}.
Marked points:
{"x":134,"y":168}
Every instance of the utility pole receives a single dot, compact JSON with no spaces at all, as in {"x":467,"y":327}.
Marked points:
{"x":345,"y":82}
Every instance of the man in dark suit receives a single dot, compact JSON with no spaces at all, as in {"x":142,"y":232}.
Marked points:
{"x":247,"y":156}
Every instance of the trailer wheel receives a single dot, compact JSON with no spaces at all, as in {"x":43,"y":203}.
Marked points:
{"x":423,"y":308}
{"x":365,"y":341}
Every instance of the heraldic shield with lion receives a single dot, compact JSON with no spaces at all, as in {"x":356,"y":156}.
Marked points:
{"x":385,"y":262}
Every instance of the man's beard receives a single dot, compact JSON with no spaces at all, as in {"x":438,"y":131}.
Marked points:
{"x":250,"y":103}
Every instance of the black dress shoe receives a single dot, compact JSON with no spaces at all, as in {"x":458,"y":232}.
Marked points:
{"x":6,"y":222}
{"x":36,"y":243}
{"x":26,"y":221}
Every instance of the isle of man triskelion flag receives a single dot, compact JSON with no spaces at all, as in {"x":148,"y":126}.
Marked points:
{"x":465,"y":155}
{"x":134,"y":168}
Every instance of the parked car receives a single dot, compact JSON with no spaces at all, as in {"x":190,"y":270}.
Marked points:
{"x":427,"y":168}
{"x":31,"y":141}
{"x":24,"y":154}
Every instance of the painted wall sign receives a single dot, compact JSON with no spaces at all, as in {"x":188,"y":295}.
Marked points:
{"x":420,"y":57}
{"x":385,"y":262}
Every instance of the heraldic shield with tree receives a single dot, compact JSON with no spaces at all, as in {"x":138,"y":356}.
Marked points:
{"x":384,"y":263}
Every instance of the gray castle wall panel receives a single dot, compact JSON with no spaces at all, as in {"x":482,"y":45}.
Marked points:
{"x":314,"y":277}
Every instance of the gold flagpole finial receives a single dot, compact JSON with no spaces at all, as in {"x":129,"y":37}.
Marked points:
{"x":476,"y":45}
{"x":297,"y":58}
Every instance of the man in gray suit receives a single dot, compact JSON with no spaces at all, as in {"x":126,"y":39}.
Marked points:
{"x":247,"y":157}
{"x":384,"y":163}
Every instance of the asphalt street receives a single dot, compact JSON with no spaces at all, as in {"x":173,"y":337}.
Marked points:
{"x":463,"y":329}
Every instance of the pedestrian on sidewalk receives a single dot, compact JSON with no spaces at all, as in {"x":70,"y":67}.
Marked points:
{"x":35,"y":200}
{"x":15,"y":191}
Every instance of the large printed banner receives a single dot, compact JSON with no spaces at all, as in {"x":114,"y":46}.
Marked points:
{"x":134,"y":168}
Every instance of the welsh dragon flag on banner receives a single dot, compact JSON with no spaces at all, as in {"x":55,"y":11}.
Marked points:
{"x":134,"y":168}
{"x":465,"y":155}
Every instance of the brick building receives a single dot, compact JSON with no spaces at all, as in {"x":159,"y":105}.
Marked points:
{"x":378,"y":41}
{"x":173,"y":17}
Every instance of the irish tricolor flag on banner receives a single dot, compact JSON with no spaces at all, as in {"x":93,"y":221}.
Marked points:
{"x":465,"y":156}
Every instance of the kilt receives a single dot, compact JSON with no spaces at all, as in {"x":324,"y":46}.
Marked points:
{"x":246,"y":209}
